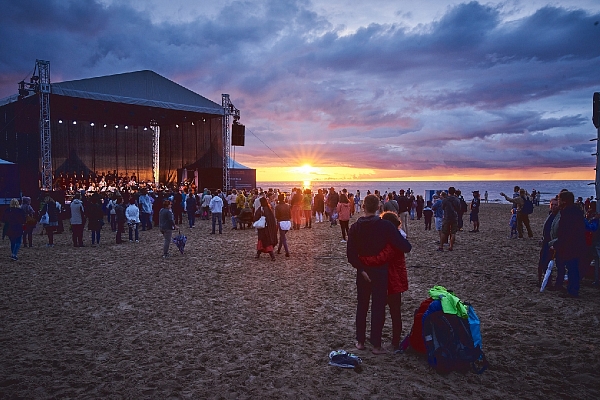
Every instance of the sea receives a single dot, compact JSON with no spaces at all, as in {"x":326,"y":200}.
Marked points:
{"x":548,"y":189}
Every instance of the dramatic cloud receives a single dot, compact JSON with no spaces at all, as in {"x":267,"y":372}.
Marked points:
{"x":459,"y":85}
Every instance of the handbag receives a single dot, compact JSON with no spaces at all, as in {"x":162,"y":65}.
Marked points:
{"x":260,"y":223}
{"x":30,"y":221}
{"x":285,"y":225}
{"x":45,"y":220}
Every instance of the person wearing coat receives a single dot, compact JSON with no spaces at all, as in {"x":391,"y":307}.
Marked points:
{"x":30,"y":221}
{"x":51,"y":208}
{"x":14,"y":219}
{"x":77,"y":220}
{"x":132,"y":215}
{"x":95,"y":218}
{"x":267,"y":236}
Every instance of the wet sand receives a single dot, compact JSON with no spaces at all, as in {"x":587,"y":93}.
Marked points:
{"x":118,"y":321}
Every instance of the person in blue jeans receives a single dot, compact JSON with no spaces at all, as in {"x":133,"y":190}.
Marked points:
{"x":216,"y":209}
{"x":191,"y":207}
{"x":568,"y":242}
{"x":132,"y":216}
{"x":368,"y":236}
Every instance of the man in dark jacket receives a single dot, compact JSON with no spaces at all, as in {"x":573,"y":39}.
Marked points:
{"x":333,"y":198}
{"x":570,"y":241}
{"x":368,"y":236}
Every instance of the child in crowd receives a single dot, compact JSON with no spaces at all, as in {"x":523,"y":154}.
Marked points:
{"x":513,"y":225}
{"x":428,"y":214}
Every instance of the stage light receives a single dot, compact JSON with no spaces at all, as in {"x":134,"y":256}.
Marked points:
{"x":145,"y":128}
{"x":116,"y":126}
{"x":91,"y":124}
{"x":74,"y":122}
{"x":126,"y":127}
{"x":176,"y":126}
{"x":192,"y":124}
{"x":60,"y":121}
{"x":105,"y":125}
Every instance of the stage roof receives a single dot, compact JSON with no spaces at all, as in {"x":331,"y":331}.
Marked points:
{"x":143,"y":88}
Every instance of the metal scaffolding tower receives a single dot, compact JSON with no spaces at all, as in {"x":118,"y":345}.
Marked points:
{"x":155,"y":151}
{"x":228,"y":111}
{"x":40,"y":83}
{"x":43,"y":68}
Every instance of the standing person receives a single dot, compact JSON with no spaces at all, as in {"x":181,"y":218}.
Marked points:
{"x":177,"y":206}
{"x":132,"y":215}
{"x":438,"y":214}
{"x":404,"y":205}
{"x":428,"y":215}
{"x":462,"y":210}
{"x":145,"y":206}
{"x":296,"y":205}
{"x":95,"y":218}
{"x":206,"y":198}
{"x":166,"y":224}
{"x":357,"y":201}
{"x":333,"y":198}
{"x":267,"y":236}
{"x":191,"y":207}
{"x":451,"y":207}
{"x":30,"y":221}
{"x":474,"y":216}
{"x":367,"y":237}
{"x":120,"y":214}
{"x":397,"y":279}
{"x":343,"y":211}
{"x":485,"y":197}
{"x":570,"y":243}
{"x":307,"y":208}
{"x":216,"y":209}
{"x":420,"y":206}
{"x":53,"y":214}
{"x":522,"y":218}
{"x":77,"y":220}
{"x":283,"y":215}
{"x":232,"y":207}
{"x":319,"y":205}
{"x":14,"y":219}
{"x":112,"y":214}
{"x":391,"y":204}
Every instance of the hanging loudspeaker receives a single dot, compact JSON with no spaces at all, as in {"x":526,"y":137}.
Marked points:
{"x":238,"y":134}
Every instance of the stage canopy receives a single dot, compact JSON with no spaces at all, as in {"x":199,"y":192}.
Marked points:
{"x":105,"y":124}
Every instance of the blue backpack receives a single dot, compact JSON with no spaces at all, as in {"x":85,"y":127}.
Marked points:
{"x":527,"y":207}
{"x":453,"y":343}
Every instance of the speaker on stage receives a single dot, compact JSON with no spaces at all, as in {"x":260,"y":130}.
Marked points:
{"x":238,"y":134}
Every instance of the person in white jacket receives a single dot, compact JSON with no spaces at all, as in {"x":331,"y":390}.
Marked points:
{"x":132,"y":215}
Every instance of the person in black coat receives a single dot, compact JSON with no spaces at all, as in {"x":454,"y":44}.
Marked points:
{"x":14,"y":219}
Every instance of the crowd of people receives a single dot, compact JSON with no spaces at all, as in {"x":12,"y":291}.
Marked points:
{"x":376,"y":243}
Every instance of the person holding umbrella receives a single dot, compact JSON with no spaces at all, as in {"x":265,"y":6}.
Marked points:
{"x":166,"y":224}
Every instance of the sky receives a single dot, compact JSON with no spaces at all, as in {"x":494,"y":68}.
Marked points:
{"x":349,"y":90}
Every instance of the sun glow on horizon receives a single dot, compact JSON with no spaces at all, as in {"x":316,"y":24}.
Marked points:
{"x":308,"y":174}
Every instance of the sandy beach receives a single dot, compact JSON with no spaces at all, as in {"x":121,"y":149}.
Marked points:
{"x":118,"y":321}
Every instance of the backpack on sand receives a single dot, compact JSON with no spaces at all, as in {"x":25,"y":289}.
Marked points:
{"x":451,"y":342}
{"x":527,"y":206}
